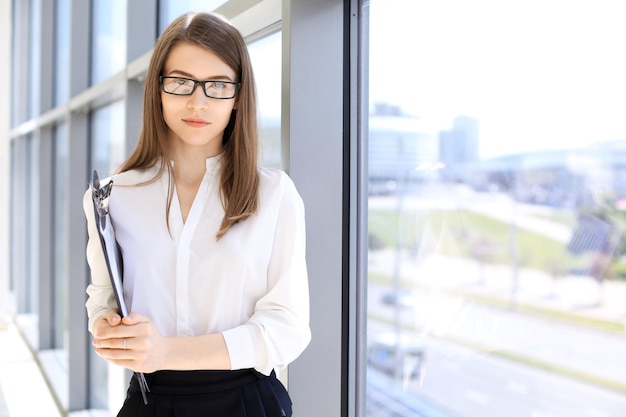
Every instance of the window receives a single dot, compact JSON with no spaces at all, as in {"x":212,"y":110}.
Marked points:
{"x":265,"y":55}
{"x":496,"y":219}
{"x":35,"y":58}
{"x":107,"y":139}
{"x":170,"y":9}
{"x":62,"y":52}
{"x":108,"y":42}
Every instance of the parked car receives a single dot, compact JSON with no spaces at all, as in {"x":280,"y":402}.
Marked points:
{"x":401,"y":357}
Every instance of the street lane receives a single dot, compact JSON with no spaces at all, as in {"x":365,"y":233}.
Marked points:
{"x":460,"y":382}
{"x":592,"y":352}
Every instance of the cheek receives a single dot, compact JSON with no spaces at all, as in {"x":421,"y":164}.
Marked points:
{"x":168,"y":110}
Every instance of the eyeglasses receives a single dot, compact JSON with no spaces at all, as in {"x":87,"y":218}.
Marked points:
{"x":179,"y":86}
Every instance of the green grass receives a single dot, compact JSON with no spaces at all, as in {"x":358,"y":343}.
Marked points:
{"x":505,"y":304}
{"x":467,"y":234}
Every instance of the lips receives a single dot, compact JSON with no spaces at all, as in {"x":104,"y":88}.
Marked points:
{"x":197,"y":123}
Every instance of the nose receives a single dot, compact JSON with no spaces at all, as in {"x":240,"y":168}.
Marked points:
{"x":198,"y":100}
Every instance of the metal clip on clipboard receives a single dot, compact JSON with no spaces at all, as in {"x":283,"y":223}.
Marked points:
{"x":112,"y":255}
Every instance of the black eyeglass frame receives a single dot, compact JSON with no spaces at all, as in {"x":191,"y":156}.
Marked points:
{"x":162,"y":79}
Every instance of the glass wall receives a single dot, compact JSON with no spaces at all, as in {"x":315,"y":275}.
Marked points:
{"x":34,"y":80}
{"x":265,"y":55}
{"x":107,"y":139}
{"x":108,"y":38}
{"x":497,"y":159}
{"x":171,"y":9}
{"x":62,"y":52}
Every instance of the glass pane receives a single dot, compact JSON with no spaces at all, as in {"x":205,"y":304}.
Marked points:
{"x":108,"y":38}
{"x":62,"y":52}
{"x":497,"y":198}
{"x":60,"y":237}
{"x":171,"y":9}
{"x":35,"y":58}
{"x":107,"y":139}
{"x":266,"y":58}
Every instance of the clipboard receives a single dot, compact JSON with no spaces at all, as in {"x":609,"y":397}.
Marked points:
{"x":100,"y":195}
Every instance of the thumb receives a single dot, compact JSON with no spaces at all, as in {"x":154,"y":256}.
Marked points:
{"x":112,"y":317}
{"x":134,"y":318}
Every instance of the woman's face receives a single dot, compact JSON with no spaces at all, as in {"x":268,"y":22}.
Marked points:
{"x":196,"y":120}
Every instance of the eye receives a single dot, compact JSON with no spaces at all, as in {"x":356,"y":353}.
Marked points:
{"x":218,"y":84}
{"x":180,"y":81}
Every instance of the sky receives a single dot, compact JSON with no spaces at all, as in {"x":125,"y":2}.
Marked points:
{"x":537,"y":74}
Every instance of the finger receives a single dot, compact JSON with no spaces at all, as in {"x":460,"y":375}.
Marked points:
{"x":112,"y":317}
{"x":135,"y":318}
{"x":117,"y":343}
{"x":115,"y":354}
{"x":105,"y":322}
{"x":124,"y":363}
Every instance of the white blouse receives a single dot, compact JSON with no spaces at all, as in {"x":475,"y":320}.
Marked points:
{"x":251,"y":285}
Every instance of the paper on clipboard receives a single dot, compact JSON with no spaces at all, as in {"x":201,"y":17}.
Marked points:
{"x":100,"y":195}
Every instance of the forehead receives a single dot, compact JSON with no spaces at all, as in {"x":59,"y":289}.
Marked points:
{"x":197,"y":62}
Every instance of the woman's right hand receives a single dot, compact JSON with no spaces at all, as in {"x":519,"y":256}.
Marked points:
{"x":110,"y":318}
{"x":109,"y":337}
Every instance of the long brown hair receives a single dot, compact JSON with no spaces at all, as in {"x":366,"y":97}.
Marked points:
{"x":239,"y":174}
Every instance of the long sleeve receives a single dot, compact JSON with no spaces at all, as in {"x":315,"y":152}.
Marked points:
{"x":100,"y":291}
{"x":278,"y":330}
{"x":251,"y":285}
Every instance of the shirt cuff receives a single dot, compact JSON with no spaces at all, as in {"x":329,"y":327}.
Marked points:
{"x":240,"y":348}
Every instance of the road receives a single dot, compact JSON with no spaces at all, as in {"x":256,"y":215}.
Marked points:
{"x":595,"y":353}
{"x":490,"y":362}
{"x":467,"y":382}
{"x":461,"y":383}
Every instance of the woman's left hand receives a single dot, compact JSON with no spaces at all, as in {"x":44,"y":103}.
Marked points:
{"x":136,"y":344}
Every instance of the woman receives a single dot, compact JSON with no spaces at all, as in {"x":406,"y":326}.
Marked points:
{"x":213,"y":245}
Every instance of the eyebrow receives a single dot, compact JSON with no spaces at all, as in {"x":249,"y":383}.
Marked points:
{"x":188,"y":75}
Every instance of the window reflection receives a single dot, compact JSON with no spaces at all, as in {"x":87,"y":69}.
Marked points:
{"x":497,"y":158}
{"x":108,"y":38}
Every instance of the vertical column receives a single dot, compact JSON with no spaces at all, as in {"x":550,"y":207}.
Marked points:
{"x":18,"y":231}
{"x":141,"y":33}
{"x":78,"y":343}
{"x":313,"y":125}
{"x":141,"y":36}
{"x":78,"y":141}
{"x":133,"y":112}
{"x":46,"y":151}
{"x":43,"y":267}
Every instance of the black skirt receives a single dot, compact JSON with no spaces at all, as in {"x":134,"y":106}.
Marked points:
{"x":242,"y":393}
